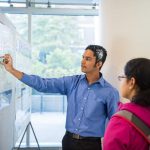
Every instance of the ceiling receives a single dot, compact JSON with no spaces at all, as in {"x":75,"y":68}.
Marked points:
{"x":63,"y":2}
{"x":51,"y":7}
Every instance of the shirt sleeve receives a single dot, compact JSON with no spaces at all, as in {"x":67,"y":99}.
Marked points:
{"x":112,"y":102}
{"x":48,"y":85}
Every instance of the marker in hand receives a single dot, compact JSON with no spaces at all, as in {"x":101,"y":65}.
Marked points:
{"x":3,"y":60}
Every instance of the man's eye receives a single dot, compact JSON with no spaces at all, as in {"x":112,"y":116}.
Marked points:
{"x":88,"y":58}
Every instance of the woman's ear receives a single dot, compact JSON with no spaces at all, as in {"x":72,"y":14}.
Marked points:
{"x":132,"y":83}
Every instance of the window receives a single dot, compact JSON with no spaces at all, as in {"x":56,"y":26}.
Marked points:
{"x":58,"y":43}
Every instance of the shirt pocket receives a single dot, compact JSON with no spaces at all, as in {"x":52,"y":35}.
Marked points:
{"x":94,"y":109}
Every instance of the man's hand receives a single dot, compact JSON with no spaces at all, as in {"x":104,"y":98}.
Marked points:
{"x":8,"y":64}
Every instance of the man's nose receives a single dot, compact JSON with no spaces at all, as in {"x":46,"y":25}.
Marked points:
{"x":83,"y":61}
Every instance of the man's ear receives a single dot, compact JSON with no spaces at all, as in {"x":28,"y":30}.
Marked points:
{"x":99,"y":64}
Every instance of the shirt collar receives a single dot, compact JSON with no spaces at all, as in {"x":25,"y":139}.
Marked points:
{"x":101,"y":80}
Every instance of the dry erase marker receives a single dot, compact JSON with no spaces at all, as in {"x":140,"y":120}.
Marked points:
{"x":2,"y":60}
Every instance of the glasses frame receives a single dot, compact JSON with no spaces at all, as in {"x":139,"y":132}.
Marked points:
{"x":121,"y":77}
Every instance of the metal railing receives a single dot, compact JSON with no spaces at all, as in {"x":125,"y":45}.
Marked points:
{"x":49,"y":103}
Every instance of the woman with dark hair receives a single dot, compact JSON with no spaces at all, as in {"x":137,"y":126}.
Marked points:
{"x":122,"y":133}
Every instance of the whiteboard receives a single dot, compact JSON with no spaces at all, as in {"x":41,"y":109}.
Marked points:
{"x":15,"y":97}
{"x":6,"y":83}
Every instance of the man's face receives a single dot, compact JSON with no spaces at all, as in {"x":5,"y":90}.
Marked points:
{"x":88,"y":64}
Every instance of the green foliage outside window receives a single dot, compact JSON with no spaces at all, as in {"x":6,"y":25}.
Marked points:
{"x":57,"y":43}
{"x":55,"y":36}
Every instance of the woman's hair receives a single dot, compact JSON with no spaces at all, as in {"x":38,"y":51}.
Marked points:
{"x":139,"y":68}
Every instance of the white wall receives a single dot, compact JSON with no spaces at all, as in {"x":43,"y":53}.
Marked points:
{"x":125,"y":33}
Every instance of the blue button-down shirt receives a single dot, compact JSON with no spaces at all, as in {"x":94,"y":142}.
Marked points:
{"x":88,"y":105}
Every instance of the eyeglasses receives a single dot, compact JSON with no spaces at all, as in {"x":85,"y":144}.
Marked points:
{"x":121,"y":77}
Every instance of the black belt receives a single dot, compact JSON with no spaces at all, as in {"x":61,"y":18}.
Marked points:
{"x":79,"y":137}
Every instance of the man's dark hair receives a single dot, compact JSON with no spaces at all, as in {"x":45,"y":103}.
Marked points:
{"x":99,"y":52}
{"x":139,"y":68}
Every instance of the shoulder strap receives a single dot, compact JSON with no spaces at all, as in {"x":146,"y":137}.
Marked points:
{"x":136,"y":122}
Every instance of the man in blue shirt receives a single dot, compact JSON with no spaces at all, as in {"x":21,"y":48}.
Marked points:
{"x":91,"y":99}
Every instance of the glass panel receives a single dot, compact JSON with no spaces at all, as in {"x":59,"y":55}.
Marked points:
{"x":58,"y":43}
{"x":57,"y":46}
